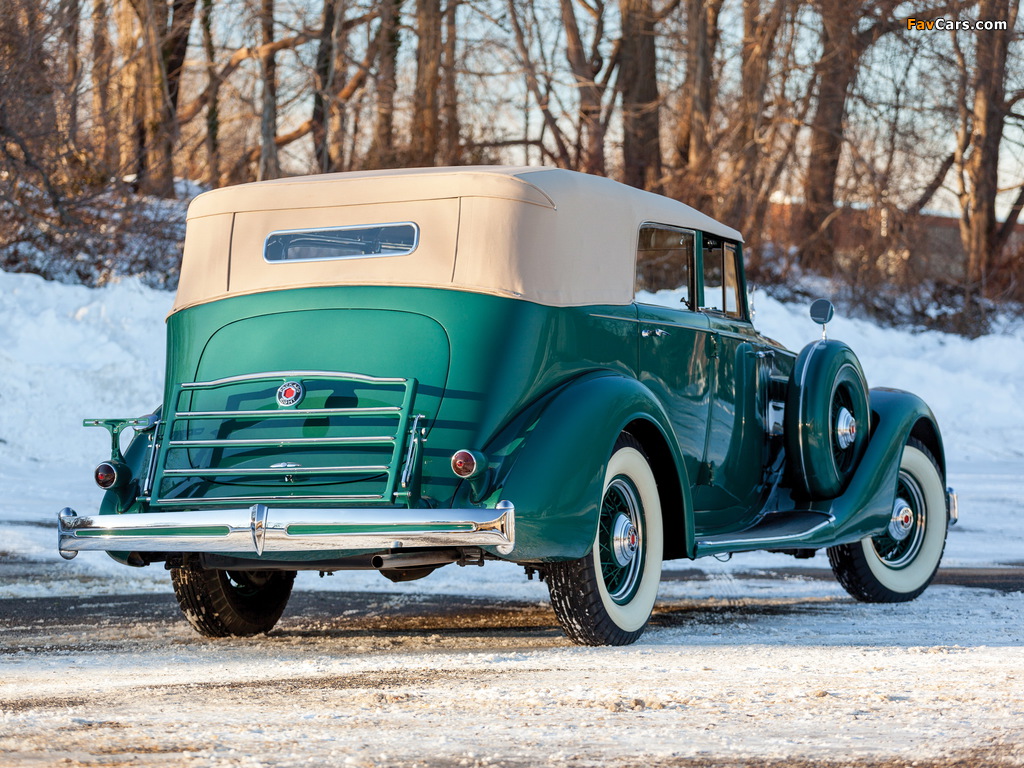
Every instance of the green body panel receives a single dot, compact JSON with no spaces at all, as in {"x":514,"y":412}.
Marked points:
{"x":865,"y":507}
{"x":737,"y":455}
{"x":556,"y":461}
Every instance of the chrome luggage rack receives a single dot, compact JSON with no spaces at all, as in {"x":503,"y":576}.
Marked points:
{"x":176,"y":458}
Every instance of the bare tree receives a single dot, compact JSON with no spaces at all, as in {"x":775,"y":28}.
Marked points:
{"x":451,"y":126}
{"x":382,"y":151}
{"x":425,"y":132}
{"x":587,"y":66}
{"x":104,"y":124}
{"x":983,"y":116}
{"x":693,"y":155}
{"x":211,"y":140}
{"x":69,"y":13}
{"x":269,"y":167}
{"x":641,"y":104}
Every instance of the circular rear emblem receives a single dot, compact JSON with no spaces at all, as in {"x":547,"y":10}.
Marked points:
{"x":289,"y":393}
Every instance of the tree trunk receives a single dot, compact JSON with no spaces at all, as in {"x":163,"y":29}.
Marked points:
{"x":693,"y":149}
{"x":382,"y":151}
{"x":269,"y":167}
{"x":130,"y":106}
{"x":641,"y":115}
{"x":164,"y":42}
{"x":322,"y":96}
{"x":585,"y":67}
{"x":988,"y":116}
{"x":837,"y":71}
{"x":70,"y":16}
{"x":337,"y":84}
{"x":451,"y":130}
{"x":174,"y":49}
{"x":426,"y":101}
{"x":211,"y":141}
{"x":844,"y":41}
{"x":104,"y":117}
{"x":748,"y":177}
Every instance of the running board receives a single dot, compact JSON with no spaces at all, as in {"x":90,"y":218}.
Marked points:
{"x":779,"y":530}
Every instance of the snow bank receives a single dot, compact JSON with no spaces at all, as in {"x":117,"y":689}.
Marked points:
{"x":68,"y":353}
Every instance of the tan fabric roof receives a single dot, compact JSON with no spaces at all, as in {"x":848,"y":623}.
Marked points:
{"x":547,"y":235}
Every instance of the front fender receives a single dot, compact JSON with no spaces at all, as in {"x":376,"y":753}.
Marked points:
{"x":865,"y":508}
{"x":556,"y":475}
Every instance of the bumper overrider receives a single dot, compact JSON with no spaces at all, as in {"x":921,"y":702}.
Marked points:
{"x":259,"y":530}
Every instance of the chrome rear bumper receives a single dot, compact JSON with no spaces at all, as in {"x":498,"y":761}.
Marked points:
{"x":260,"y":530}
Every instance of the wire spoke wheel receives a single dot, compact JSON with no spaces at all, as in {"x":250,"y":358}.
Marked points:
{"x":899,"y":563}
{"x":620,"y":540}
{"x":902,"y":541}
{"x":607,"y":596}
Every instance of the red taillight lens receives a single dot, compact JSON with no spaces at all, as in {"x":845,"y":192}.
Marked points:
{"x":467,"y":463}
{"x":106,"y":475}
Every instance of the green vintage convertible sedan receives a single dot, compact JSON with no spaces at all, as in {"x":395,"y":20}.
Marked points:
{"x":402,"y":370}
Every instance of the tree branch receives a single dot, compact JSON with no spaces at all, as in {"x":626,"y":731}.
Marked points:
{"x":194,"y":107}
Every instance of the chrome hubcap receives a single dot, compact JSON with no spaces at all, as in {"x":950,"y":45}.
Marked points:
{"x":903,"y":538}
{"x":902,"y":522}
{"x":620,"y":545}
{"x":846,"y":429}
{"x":625,"y":540}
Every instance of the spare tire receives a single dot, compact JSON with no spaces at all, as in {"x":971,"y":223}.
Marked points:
{"x":827,"y":419}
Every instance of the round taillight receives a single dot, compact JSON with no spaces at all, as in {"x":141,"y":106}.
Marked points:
{"x":107,"y":475}
{"x":468,"y":463}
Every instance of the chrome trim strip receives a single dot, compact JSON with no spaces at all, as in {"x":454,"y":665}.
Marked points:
{"x":272,"y":442}
{"x":274,"y":375}
{"x":615,"y":317}
{"x":275,"y":471}
{"x":215,"y":501}
{"x":412,"y":452}
{"x":262,"y":530}
{"x":286,"y":413}
{"x":952,"y":506}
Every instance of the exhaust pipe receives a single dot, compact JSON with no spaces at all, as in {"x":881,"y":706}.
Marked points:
{"x":402,"y":560}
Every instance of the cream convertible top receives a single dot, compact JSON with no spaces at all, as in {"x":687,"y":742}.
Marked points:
{"x":547,"y":235}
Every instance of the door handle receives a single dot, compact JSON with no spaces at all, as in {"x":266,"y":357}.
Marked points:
{"x":648,"y":332}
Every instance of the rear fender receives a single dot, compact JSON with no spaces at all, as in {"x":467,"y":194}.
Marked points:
{"x":865,"y":508}
{"x":556,"y":462}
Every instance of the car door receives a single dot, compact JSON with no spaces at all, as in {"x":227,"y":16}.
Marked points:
{"x":732,"y":475}
{"x":675,"y":342}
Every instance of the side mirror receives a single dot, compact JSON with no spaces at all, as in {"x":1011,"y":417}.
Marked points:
{"x":821,"y":313}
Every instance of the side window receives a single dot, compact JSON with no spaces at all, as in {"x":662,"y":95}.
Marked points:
{"x":713,"y":281}
{"x":731,"y":284}
{"x":721,"y":277}
{"x":664,"y":259}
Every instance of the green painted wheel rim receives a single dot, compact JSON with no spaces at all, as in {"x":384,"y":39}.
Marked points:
{"x":620,"y":540}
